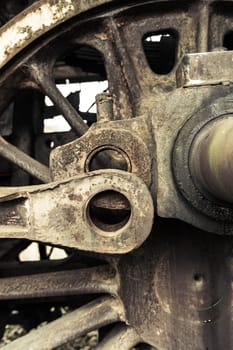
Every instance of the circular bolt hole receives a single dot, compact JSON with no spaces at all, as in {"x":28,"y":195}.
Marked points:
{"x":109,"y":211}
{"x":198,"y":277}
{"x":108,"y":158}
{"x":199,"y":281}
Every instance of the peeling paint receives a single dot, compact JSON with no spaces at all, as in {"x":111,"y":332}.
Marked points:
{"x":35,"y":21}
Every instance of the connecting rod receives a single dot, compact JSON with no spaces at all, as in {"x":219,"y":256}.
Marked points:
{"x":107,"y":211}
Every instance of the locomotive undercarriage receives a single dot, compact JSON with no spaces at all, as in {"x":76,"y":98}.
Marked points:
{"x":139,"y":195}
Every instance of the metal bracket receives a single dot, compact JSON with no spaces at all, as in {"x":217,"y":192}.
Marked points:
{"x":205,"y":68}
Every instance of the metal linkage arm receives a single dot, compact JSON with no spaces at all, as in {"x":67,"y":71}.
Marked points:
{"x":81,"y":212}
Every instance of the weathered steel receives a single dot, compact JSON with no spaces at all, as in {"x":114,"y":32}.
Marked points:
{"x":59,"y":213}
{"x":122,"y":137}
{"x":95,"y":280}
{"x":214,"y":216}
{"x":96,"y":314}
{"x":207,"y":68}
{"x":104,"y":105}
{"x":121,"y":337}
{"x":24,"y":161}
{"x":40,"y":73}
{"x":211,"y":159}
{"x":177,"y":286}
{"x":181,"y":283}
{"x":42,"y":17}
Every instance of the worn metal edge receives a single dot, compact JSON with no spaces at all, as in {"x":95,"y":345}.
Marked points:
{"x":37,"y":20}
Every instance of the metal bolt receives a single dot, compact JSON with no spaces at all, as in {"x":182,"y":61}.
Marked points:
{"x":104,"y":107}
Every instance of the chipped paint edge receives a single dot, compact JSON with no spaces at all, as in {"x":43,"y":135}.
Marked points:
{"x":37,"y":20}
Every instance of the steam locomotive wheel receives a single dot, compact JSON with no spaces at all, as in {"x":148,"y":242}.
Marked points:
{"x":144,"y":266}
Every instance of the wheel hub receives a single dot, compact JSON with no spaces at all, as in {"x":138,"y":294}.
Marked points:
{"x":176,"y":282}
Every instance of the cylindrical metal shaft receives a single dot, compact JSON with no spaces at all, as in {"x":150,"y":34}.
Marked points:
{"x":211,"y":161}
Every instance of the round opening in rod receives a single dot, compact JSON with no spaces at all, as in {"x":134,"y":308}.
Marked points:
{"x":109,"y":211}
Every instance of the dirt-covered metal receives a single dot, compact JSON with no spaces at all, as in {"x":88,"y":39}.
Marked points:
{"x":43,"y":16}
{"x":60,"y":213}
{"x":140,"y":200}
{"x":211,"y":159}
{"x":208,"y":68}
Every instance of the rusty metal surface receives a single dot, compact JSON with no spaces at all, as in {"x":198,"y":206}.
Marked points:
{"x":184,"y":300}
{"x":121,"y":337}
{"x":43,"y":79}
{"x":24,"y":161}
{"x":66,"y":207}
{"x":123,"y":137}
{"x":42,"y":16}
{"x":103,"y":311}
{"x":95,"y":280}
{"x":173,"y":283}
{"x":208,"y":68}
{"x":219,"y":214}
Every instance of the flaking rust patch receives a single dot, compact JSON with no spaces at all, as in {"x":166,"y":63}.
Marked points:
{"x":27,"y":27}
{"x":102,"y":36}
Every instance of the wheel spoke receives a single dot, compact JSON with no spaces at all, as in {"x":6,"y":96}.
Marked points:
{"x":121,"y":337}
{"x":101,"y":279}
{"x":45,"y":81}
{"x":94,"y":315}
{"x":15,"y":268}
{"x":24,"y":161}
